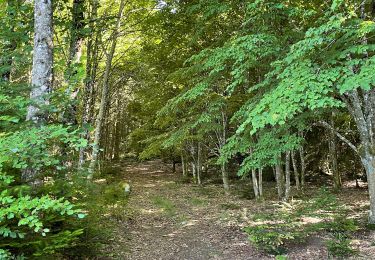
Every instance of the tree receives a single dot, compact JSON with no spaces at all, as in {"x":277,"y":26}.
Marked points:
{"x":341,"y":76}
{"x":105,"y":87}
{"x":41,"y":80}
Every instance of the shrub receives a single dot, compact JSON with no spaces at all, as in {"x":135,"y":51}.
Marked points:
{"x":25,"y":221}
{"x":271,"y":237}
{"x":339,"y":246}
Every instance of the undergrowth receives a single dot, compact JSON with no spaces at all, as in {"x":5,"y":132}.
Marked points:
{"x":105,"y":202}
{"x":297,"y":220}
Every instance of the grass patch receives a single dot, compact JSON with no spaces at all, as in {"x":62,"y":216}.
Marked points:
{"x":198,"y":202}
{"x":230,"y":206}
{"x":165,"y":204}
{"x":173,"y":185}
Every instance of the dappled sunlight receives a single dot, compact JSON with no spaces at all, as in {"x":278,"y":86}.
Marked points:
{"x":311,"y":220}
{"x":100,"y":181}
{"x":151,"y":211}
{"x":149,"y":185}
{"x":353,"y":184}
{"x":189,"y":223}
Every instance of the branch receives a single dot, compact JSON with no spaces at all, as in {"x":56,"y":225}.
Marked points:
{"x":340,"y":136}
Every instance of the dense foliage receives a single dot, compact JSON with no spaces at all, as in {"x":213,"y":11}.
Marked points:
{"x":266,"y":90}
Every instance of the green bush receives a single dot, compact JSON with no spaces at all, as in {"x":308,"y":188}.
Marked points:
{"x":272,"y":237}
{"x":339,"y":246}
{"x":25,"y":221}
{"x":32,"y":218}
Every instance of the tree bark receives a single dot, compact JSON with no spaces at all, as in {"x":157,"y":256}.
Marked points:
{"x":287,"y":176}
{"x":91,"y":69}
{"x":75,"y":52}
{"x":183,"y":163}
{"x":260,"y":182}
{"x":199,"y":163}
{"x":255,"y":183}
{"x":333,"y":158}
{"x":224,"y":175}
{"x":222,"y":139}
{"x":368,"y":162}
{"x":41,"y":81}
{"x":104,"y":97}
{"x":77,"y":36}
{"x":303,"y":166}
{"x":279,"y":181}
{"x":193,"y":171}
{"x":295,"y":170}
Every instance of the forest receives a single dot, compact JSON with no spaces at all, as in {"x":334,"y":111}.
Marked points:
{"x":187,"y":129}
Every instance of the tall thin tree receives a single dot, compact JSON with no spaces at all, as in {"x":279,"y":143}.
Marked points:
{"x":105,"y":88}
{"x":41,"y":81}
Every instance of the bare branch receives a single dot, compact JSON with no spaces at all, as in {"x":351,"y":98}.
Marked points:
{"x":342,"y":138}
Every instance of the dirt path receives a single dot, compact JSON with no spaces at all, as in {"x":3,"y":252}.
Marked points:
{"x":167,"y":219}
{"x":172,"y":220}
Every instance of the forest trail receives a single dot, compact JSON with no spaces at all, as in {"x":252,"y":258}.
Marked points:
{"x":172,"y":220}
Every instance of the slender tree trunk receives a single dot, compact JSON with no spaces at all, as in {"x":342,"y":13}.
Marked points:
{"x":91,"y":69}
{"x":193,"y":171}
{"x":174,"y":165}
{"x":42,"y":61}
{"x":333,"y":158}
{"x":255,"y":183}
{"x":199,"y":163}
{"x":295,"y":170}
{"x":303,"y":166}
{"x":225,"y":177}
{"x":117,"y":138}
{"x":104,"y":98}
{"x":75,"y":52}
{"x":260,"y":182}
{"x":287,"y":176}
{"x":183,"y":163}
{"x":42,"y":68}
{"x":77,"y":37}
{"x":279,"y":181}
{"x":222,"y":139}
{"x":9,"y":48}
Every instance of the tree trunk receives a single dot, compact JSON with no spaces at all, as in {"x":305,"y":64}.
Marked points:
{"x":368,"y":162}
{"x":255,"y":183}
{"x":75,"y":52}
{"x":295,"y":170}
{"x":260,"y":183}
{"x":303,"y":166}
{"x":183,"y":163}
{"x":333,"y":158}
{"x":77,"y":36}
{"x":287,"y":176}
{"x":91,"y":69}
{"x":41,"y":80}
{"x":224,"y":174}
{"x":279,"y":181}
{"x":193,"y":171}
{"x":104,"y":97}
{"x":199,"y":163}
{"x":174,"y":165}
{"x":42,"y":68}
{"x":9,"y":48}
